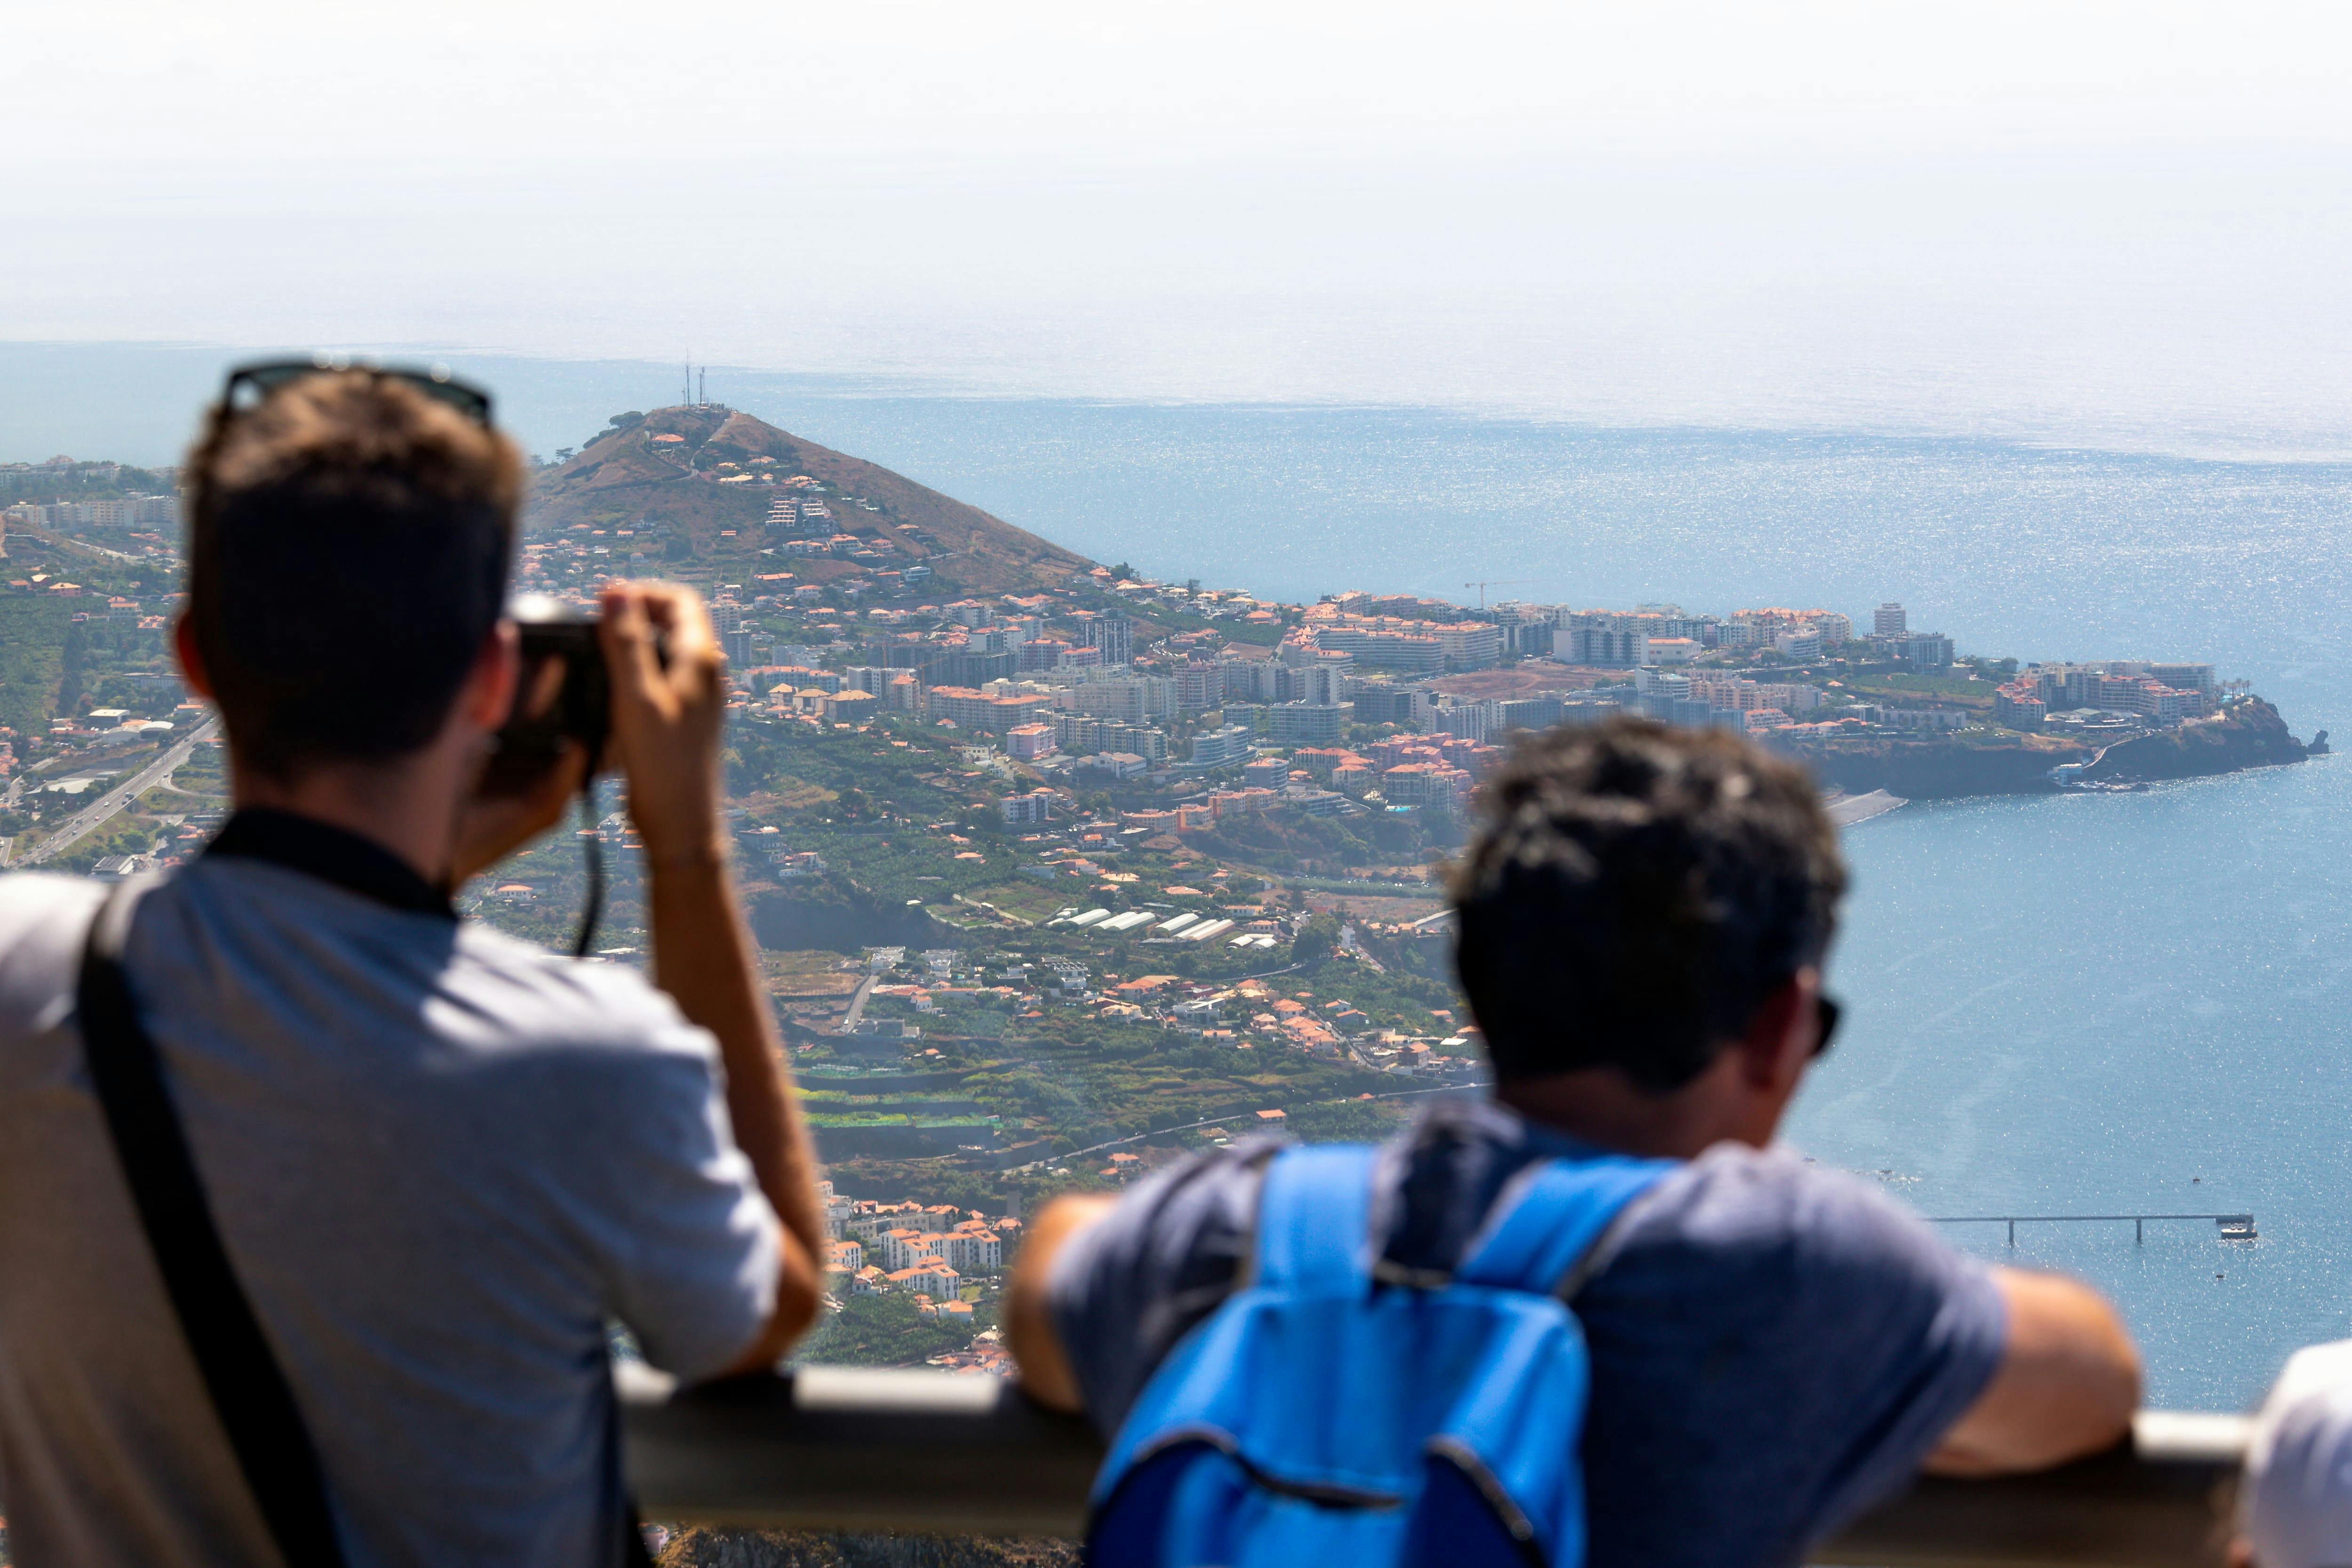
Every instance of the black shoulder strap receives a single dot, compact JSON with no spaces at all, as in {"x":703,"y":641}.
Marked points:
{"x":249,"y":1392}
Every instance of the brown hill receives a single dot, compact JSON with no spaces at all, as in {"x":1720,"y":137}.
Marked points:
{"x":707,"y":479}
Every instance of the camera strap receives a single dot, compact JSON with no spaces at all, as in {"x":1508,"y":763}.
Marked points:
{"x":250,"y":1393}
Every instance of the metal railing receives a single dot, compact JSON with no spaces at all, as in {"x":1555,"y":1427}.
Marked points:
{"x":2233,"y":1226}
{"x":846,"y":1449}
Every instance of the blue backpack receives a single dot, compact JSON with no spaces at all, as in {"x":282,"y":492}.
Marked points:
{"x":1323,"y":1416}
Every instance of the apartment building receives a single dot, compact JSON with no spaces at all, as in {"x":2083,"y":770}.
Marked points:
{"x":1035,"y":808}
{"x":1221,"y":747}
{"x":1620,"y":639}
{"x":973,"y":1250}
{"x":1379,"y":649}
{"x":2019,"y":706}
{"x":1027,"y":742}
{"x":971,"y":709}
{"x":1292,"y":723}
{"x":1112,"y":637}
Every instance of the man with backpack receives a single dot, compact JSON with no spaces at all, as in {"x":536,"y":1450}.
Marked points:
{"x":1598,"y":1317}
{"x":318,"y":1203}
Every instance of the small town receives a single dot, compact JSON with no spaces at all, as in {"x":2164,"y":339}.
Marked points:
{"x":1059,"y":869}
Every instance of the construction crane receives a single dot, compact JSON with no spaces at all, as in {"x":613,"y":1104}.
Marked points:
{"x":1494,"y":582}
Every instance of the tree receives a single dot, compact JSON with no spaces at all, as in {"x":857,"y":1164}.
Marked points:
{"x":882,"y":1331}
{"x":1317,"y":940}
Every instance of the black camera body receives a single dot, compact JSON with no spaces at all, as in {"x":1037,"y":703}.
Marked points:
{"x":558,"y":646}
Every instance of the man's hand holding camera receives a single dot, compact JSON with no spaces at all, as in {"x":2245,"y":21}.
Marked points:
{"x":670,"y":706}
{"x":668,"y":709}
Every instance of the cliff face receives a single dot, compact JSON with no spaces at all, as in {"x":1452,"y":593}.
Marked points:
{"x":2249,"y":734}
{"x":1938,"y":770}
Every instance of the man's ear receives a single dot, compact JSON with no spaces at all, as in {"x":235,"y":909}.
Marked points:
{"x":192,"y":662}
{"x":489,"y":694}
{"x":1779,"y":1041}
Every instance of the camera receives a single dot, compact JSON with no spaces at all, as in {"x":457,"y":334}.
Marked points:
{"x":564,"y":696}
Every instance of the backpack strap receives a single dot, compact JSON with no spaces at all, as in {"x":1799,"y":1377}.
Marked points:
{"x":249,"y":1392}
{"x":1313,"y":1217}
{"x":1551,"y":1218}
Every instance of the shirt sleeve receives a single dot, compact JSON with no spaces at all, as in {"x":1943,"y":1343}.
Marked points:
{"x":1788,"y":1334}
{"x":1127,"y":1288}
{"x":687,"y":1247}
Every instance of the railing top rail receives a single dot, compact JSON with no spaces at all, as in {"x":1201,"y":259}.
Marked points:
{"x":2022,"y":1218}
{"x":850,"y":1449}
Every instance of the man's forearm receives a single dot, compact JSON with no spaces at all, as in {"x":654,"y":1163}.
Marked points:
{"x":704,"y":958}
{"x":2067,"y":1385}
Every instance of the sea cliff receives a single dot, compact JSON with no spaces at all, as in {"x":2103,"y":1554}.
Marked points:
{"x":2247,"y":734}
{"x":1938,"y":769}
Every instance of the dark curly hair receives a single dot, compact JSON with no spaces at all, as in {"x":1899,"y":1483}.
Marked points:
{"x":349,"y":544}
{"x":1632,"y":894}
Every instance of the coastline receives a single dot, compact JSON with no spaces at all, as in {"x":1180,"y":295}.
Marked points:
{"x":2248,"y":734}
{"x":1851,"y":810}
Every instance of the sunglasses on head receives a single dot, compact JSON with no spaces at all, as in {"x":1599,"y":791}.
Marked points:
{"x":249,"y":386}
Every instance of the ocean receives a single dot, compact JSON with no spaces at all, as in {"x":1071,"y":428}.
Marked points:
{"x":2122,"y":1003}
{"x":2126,"y":1004}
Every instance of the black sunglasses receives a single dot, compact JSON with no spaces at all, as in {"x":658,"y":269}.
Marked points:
{"x":1826,"y":1014}
{"x":249,"y":386}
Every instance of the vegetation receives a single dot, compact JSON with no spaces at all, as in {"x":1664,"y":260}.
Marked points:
{"x":32,"y":657}
{"x":886,"y":1331}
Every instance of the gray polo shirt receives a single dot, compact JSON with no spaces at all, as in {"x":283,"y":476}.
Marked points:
{"x":441,"y":1161}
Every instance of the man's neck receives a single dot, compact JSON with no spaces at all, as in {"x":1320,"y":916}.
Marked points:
{"x":1604,"y":1108}
{"x":408,"y":807}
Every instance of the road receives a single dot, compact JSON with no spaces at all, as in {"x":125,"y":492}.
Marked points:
{"x":857,"y":1006}
{"x":80,"y":825}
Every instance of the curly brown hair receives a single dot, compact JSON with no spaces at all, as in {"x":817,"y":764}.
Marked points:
{"x":349,"y":544}
{"x":1633,"y":893}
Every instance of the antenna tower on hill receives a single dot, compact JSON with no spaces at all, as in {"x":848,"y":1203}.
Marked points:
{"x":702,"y":385}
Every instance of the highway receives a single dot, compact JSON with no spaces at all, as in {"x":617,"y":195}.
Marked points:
{"x":88,"y":819}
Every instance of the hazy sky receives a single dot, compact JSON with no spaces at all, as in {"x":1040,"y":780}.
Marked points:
{"x":2119,"y":223}
{"x":104,"y":77}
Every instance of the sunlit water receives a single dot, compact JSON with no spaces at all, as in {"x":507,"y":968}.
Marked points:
{"x":2120,"y":1004}
{"x":2126,"y":1004}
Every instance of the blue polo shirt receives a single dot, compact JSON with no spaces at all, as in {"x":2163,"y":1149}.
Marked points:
{"x":1774,"y":1346}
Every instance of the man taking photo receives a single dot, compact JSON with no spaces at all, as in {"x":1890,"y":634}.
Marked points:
{"x":1770,"y":1346}
{"x":439,"y":1162}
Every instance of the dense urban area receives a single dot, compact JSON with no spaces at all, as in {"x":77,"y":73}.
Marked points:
{"x":1059,"y":869}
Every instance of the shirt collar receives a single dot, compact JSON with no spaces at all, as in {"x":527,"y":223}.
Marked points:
{"x":333,"y":855}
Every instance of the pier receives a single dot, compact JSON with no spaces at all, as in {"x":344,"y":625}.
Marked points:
{"x":2234,"y":1226}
